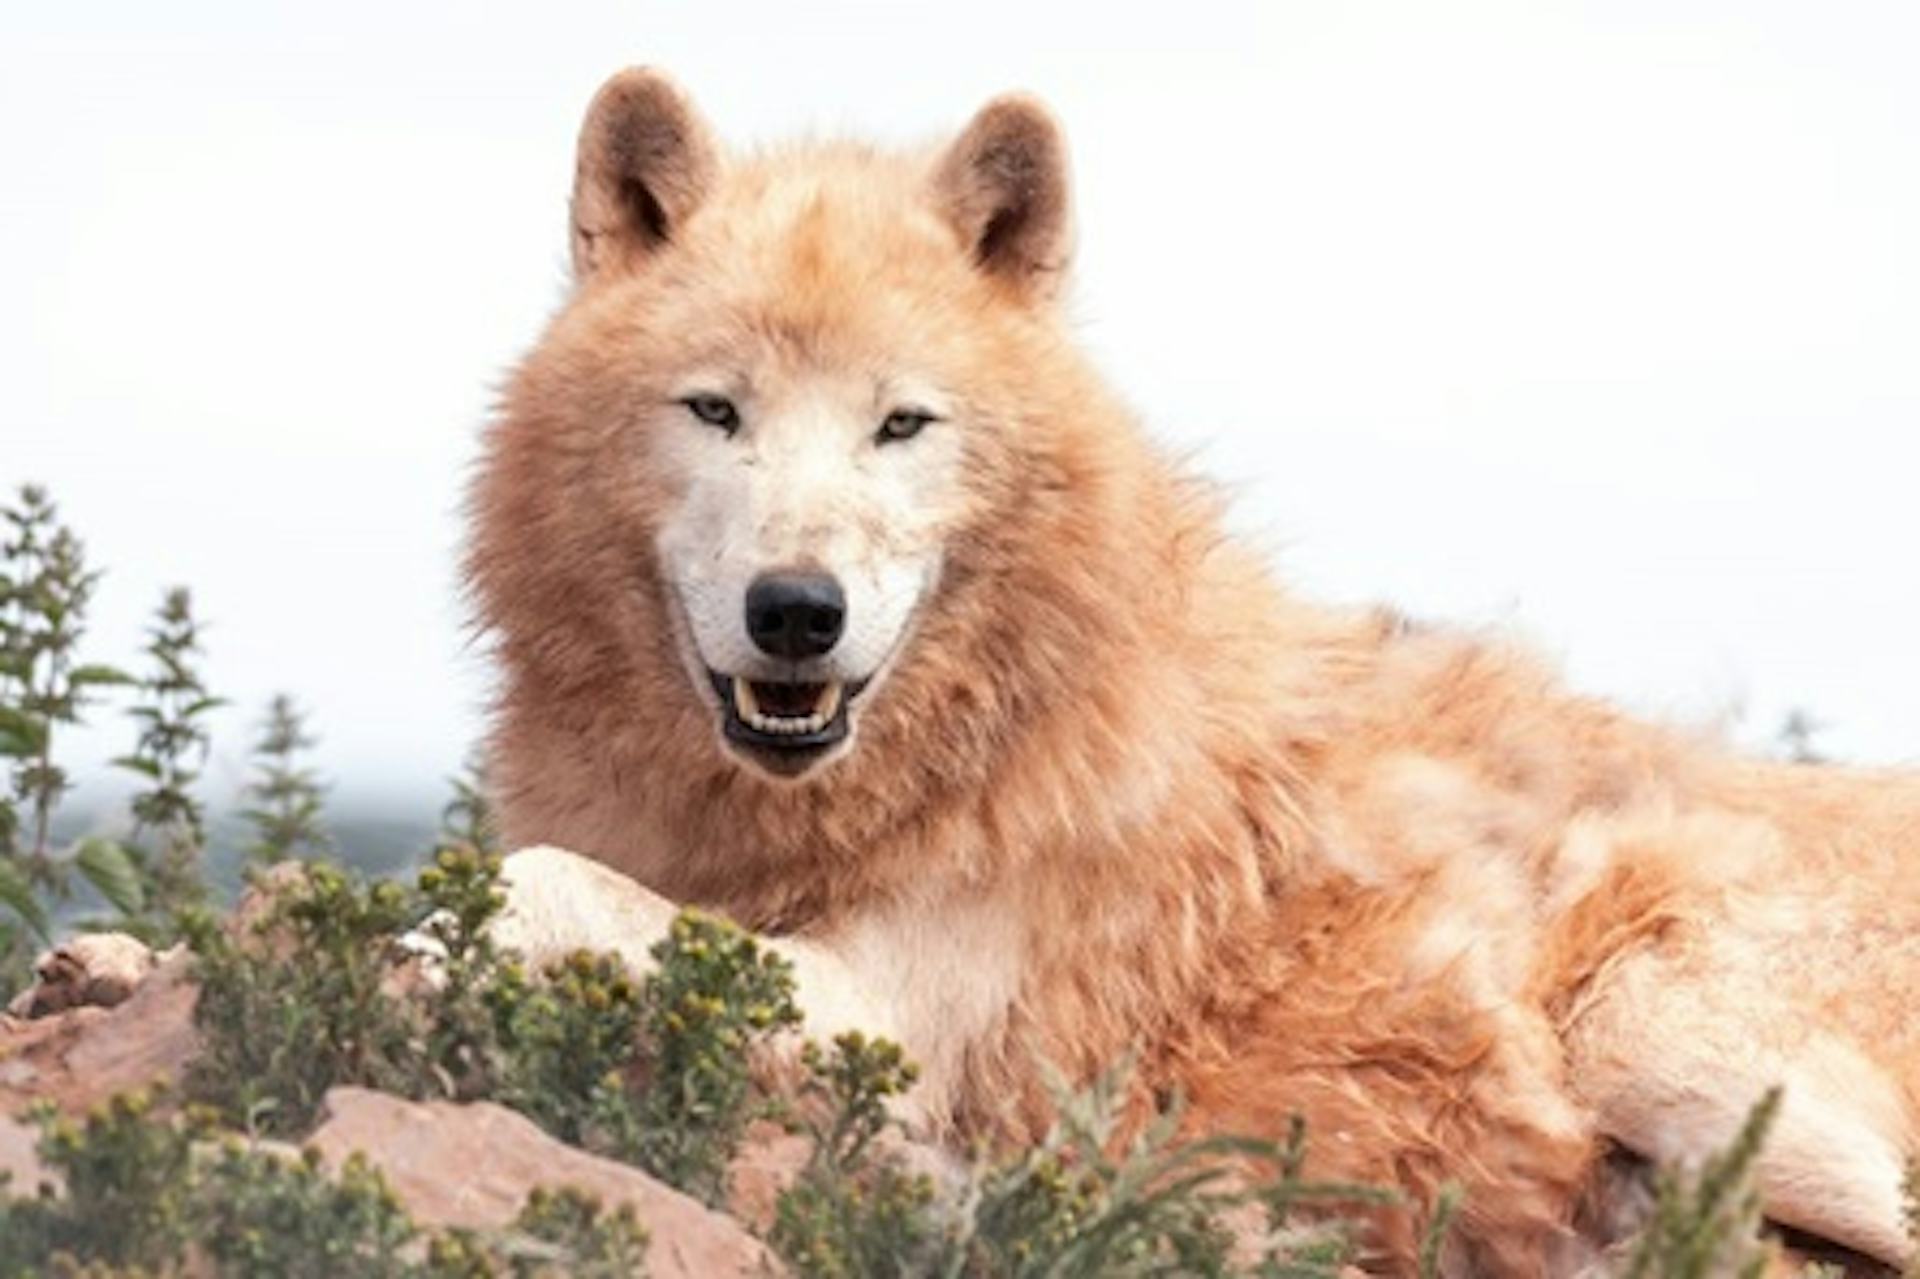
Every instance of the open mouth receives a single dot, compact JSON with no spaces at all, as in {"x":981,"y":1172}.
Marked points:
{"x":790,"y":721}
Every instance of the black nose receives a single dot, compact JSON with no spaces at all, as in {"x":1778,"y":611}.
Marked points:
{"x":795,"y":614}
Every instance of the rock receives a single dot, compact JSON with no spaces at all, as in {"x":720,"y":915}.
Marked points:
{"x":80,"y":1057}
{"x":20,"y":1170}
{"x":769,"y":1160}
{"x":473,"y":1166}
{"x":264,"y":888}
{"x":94,"y":969}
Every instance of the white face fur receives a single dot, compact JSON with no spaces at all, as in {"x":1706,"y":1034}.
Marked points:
{"x":802,"y":479}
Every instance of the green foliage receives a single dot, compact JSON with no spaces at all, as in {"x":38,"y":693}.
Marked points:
{"x":715,"y":993}
{"x":164,"y":1196}
{"x":470,"y":1009}
{"x":260,"y":1214}
{"x":45,"y":587}
{"x":1797,"y":737}
{"x":576,"y":1230}
{"x":298,"y":1002}
{"x":848,"y":1213}
{"x":311,"y":995}
{"x":285,"y":797}
{"x":125,"y":1187}
{"x":169,"y":751}
{"x":1084,"y":1202}
{"x":467,"y":820}
{"x":114,"y":873}
{"x":1706,"y":1223}
{"x":570,"y":1043}
{"x":18,"y":894}
{"x":315,"y":993}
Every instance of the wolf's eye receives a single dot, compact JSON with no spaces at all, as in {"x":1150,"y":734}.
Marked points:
{"x":903,"y":424}
{"x":714,"y":410}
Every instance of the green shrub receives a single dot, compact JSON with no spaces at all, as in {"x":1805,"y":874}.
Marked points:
{"x":261,"y":1214}
{"x":301,"y":1003}
{"x":569,"y":1047}
{"x":655,"y":1071}
{"x":1082,"y":1203}
{"x":715,"y":993}
{"x":126,"y":1191}
{"x":566,"y":1232}
{"x":849,"y":1213}
{"x":150,"y":1195}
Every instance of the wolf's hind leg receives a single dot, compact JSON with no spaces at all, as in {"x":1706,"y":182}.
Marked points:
{"x":1672,"y":1065}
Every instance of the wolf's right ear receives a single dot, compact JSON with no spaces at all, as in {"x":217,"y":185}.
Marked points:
{"x":1003,"y":185}
{"x":644,"y":164}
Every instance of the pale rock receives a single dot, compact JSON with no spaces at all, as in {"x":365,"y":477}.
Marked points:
{"x":92,"y":970}
{"x":473,"y":1166}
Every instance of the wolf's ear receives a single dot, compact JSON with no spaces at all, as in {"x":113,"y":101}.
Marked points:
{"x":1003,"y":185}
{"x":645,"y":162}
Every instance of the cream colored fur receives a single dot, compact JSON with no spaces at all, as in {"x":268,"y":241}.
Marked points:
{"x":1117,"y":789}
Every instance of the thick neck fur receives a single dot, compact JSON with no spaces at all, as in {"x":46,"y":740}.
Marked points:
{"x":1041,"y":709}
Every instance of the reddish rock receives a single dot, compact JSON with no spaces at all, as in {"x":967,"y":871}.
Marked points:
{"x":83,"y":1056}
{"x":769,"y":1160}
{"x":474,"y":1165}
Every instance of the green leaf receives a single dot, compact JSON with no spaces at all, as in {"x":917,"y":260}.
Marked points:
{"x":82,"y":676}
{"x":17,"y":893}
{"x":135,"y":764}
{"x":111,"y":870}
{"x":21,"y":734}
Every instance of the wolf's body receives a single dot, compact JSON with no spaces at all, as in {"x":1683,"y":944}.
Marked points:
{"x":1105,"y":785}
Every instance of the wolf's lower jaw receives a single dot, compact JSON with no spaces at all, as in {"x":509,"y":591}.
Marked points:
{"x":784,"y":727}
{"x":788,"y":709}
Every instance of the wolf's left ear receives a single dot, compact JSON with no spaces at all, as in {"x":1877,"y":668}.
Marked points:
{"x":644,"y":164}
{"x":1003,"y":185}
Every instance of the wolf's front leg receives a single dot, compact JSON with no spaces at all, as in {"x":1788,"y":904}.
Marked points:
{"x":559,"y":902}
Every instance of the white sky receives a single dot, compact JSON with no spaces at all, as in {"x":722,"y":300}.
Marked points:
{"x":1602,"y":321}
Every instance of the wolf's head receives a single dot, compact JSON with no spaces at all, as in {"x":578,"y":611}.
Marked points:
{"x":795,"y":402}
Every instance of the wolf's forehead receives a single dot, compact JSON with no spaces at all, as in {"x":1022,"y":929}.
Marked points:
{"x":826,"y":259}
{"x":838,"y":214}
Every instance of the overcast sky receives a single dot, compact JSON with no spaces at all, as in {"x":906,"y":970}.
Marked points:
{"x":1601,"y":322}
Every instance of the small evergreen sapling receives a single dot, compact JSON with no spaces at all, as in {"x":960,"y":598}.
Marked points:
{"x":169,"y":834}
{"x":285,"y":797}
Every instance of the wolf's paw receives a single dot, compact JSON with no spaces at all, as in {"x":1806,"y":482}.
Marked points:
{"x":559,"y":902}
{"x":93,"y":969}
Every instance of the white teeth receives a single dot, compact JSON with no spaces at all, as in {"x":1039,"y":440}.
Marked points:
{"x":748,"y":708}
{"x":743,"y":700}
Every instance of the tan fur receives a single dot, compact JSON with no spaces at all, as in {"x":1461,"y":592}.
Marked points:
{"x":1120,"y":789}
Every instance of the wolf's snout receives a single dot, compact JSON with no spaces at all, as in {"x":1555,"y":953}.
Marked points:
{"x":796,"y":615}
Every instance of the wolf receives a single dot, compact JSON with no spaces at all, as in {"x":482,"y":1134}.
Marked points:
{"x":832,"y":588}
